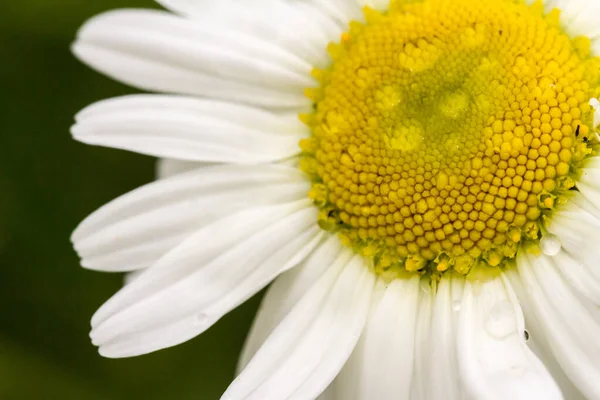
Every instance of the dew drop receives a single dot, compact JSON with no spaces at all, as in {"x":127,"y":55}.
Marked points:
{"x":550,"y":245}
{"x":501,"y":322}
{"x":526,"y":335}
{"x":456,"y":304}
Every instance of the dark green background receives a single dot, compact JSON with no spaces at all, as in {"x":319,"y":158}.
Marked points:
{"x":48,"y":183}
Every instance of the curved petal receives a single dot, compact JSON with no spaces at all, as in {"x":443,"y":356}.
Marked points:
{"x":589,"y":186}
{"x":494,"y":360}
{"x":307,"y":350}
{"x":536,"y":339}
{"x":381,"y":366}
{"x":205,"y":277}
{"x":420,"y":382}
{"x":131,"y":276}
{"x":136,"y":229}
{"x":285,"y":292}
{"x":277,"y":22}
{"x":579,"y":275}
{"x":443,"y":365}
{"x":155,"y":50}
{"x":189,"y":129}
{"x":569,"y":326}
{"x":574,"y":224}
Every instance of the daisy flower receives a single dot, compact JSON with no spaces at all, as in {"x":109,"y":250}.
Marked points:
{"x":419,"y":180}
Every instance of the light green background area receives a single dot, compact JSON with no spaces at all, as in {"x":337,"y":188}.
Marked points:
{"x":48,"y":183}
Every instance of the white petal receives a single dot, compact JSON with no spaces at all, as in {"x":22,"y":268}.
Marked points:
{"x":494,"y":360}
{"x":136,"y":229}
{"x":574,"y":224}
{"x":589,"y":184}
{"x":420,"y":382}
{"x":537,"y":339}
{"x":568,"y":324}
{"x":155,"y":50}
{"x":581,"y":276}
{"x":131,"y":276}
{"x":579,"y":18}
{"x":310,"y":346}
{"x":285,"y":292}
{"x":596,"y":105}
{"x":381,"y":366}
{"x":189,"y":129}
{"x":443,"y":365}
{"x":343,"y":11}
{"x":282,"y":122}
{"x":569,"y":391}
{"x":167,"y":167}
{"x":275,"y":21}
{"x":205,"y":277}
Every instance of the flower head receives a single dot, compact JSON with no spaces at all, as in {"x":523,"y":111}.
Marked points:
{"x":420,"y":177}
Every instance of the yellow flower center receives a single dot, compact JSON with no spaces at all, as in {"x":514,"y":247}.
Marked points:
{"x":445,"y":131}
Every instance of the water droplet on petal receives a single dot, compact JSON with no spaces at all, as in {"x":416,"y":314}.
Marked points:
{"x":550,"y":245}
{"x":526,"y":335}
{"x":456,"y":304}
{"x":501,"y":321}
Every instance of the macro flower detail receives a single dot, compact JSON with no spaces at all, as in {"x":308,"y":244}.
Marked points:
{"x":417,"y":178}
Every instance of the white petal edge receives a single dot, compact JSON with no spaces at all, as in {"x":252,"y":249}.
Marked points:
{"x":381,"y":366}
{"x":420,"y":382}
{"x":307,"y":350}
{"x":568,"y":324}
{"x":578,"y":18}
{"x":189,"y":129}
{"x":537,"y":341}
{"x":443,"y":365}
{"x":136,"y":229}
{"x":285,"y":292}
{"x":277,"y":22}
{"x":494,"y":360}
{"x":206,"y":276}
{"x":168,"y":167}
{"x":574,"y":223}
{"x":157,"y":51}
{"x":588,"y":185}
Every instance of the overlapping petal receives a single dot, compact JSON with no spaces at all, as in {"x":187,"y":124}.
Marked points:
{"x":136,"y":229}
{"x":569,"y":322}
{"x":158,"y":51}
{"x":307,"y":350}
{"x":443,"y":370}
{"x":285,"y":292}
{"x":381,"y":366}
{"x":211,"y":236}
{"x":494,"y":360}
{"x":278,"y":23}
{"x":207,"y":275}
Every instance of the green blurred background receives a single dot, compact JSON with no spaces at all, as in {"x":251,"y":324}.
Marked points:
{"x":48,"y":183}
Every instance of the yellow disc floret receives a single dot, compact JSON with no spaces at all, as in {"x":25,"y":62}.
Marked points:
{"x":445,"y":131}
